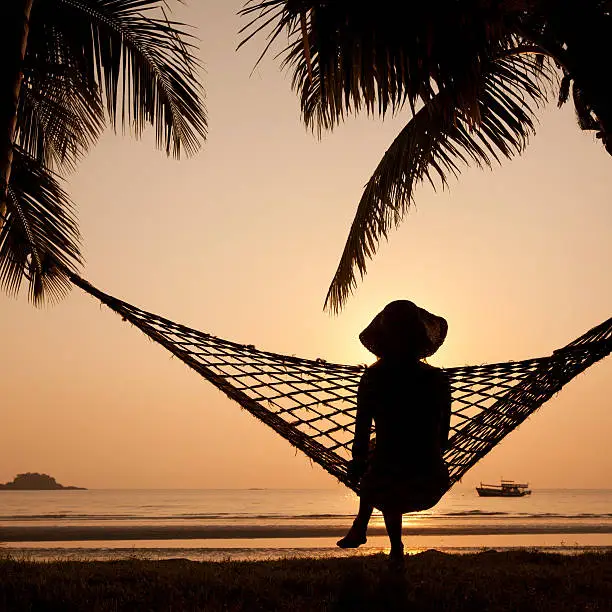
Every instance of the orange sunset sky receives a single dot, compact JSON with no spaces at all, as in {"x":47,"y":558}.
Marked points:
{"x":242,"y":241}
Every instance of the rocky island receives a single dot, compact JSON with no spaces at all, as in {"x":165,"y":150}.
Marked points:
{"x":33,"y":481}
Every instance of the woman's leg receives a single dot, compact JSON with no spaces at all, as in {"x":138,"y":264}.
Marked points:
{"x":360,"y":524}
{"x":357,"y":533}
{"x":393,"y":523}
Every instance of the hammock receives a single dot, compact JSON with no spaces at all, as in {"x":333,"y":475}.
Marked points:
{"x":312,"y":403}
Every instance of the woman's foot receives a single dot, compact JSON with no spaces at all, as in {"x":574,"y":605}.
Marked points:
{"x":396,"y":556}
{"x":351,"y":540}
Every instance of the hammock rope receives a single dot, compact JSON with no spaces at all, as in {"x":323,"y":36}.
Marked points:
{"x":312,"y":403}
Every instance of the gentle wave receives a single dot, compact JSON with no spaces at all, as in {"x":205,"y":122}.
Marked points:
{"x":546,"y":515}
{"x":168,"y":517}
{"x":82,"y":533}
{"x":259,"y":517}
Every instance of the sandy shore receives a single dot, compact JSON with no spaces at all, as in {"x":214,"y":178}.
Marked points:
{"x":429,"y":581}
{"x":46,"y":533}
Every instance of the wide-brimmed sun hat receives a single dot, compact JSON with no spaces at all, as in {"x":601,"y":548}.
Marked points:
{"x":403,"y":328}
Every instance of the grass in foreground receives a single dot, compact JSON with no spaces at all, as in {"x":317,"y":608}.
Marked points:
{"x":430,"y":581}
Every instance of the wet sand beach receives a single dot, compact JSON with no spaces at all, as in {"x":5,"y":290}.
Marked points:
{"x":55,"y":533}
{"x":257,"y":524}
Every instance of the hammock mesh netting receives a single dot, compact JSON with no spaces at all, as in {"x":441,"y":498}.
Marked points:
{"x":312,"y":403}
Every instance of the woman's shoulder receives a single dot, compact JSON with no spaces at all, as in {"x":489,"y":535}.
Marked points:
{"x":434,"y":374}
{"x":437,"y":381}
{"x":377,"y":366}
{"x":426,"y":367}
{"x":376,"y":375}
{"x":373,"y":371}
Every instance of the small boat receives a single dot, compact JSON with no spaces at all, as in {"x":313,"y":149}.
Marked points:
{"x":507,"y":488}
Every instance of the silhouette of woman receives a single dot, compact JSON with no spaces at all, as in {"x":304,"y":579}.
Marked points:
{"x":409,"y":401}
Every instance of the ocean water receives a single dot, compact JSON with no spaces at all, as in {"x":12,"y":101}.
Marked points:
{"x":262,"y":523}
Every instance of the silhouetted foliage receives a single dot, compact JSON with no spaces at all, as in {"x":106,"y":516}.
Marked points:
{"x":429,"y":582}
{"x":71,"y":67}
{"x":33,"y":481}
{"x":469,"y":73}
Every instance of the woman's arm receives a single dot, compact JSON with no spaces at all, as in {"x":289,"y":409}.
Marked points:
{"x":446,"y":401}
{"x":363,"y":421}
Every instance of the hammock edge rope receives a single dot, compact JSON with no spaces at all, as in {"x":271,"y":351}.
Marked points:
{"x":483,"y":416}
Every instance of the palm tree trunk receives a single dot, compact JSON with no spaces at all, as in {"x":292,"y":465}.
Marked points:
{"x":15,"y":30}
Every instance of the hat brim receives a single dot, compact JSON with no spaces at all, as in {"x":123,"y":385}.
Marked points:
{"x":403,"y":328}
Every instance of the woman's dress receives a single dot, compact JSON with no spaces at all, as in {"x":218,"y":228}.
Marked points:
{"x":409,"y":402}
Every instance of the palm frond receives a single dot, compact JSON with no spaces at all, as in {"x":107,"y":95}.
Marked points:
{"x":564,"y":89}
{"x":143,"y":64}
{"x":346,"y":57}
{"x":59,"y":116}
{"x":584,"y":113}
{"x":434,"y":144}
{"x":39,"y":239}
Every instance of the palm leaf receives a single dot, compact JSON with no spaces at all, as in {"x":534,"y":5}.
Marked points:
{"x":434,"y":144}
{"x":39,"y":239}
{"x":59,"y":116}
{"x":576,"y":33}
{"x":346,"y":57}
{"x":584,"y":112}
{"x":142,"y":63}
